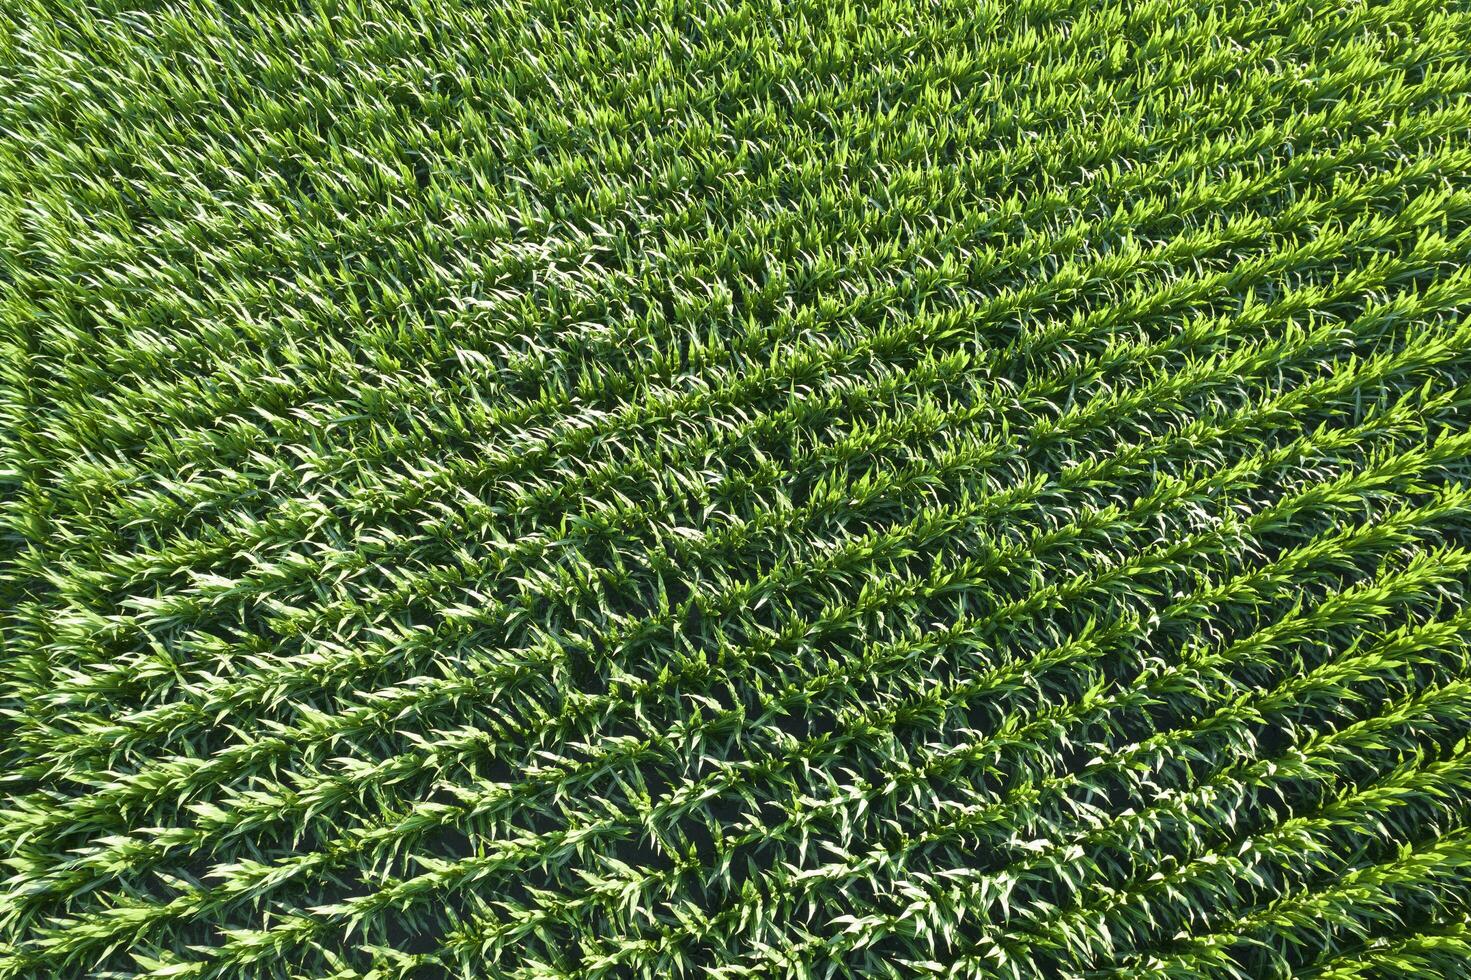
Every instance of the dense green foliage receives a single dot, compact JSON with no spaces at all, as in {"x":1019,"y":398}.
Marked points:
{"x":509,"y":488}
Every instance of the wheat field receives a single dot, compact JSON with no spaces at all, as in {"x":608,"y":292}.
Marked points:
{"x":519,"y":488}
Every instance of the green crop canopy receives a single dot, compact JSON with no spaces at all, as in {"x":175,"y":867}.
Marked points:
{"x":531,"y":489}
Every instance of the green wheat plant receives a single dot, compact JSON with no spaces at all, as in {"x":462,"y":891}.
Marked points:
{"x":535,"y":489}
